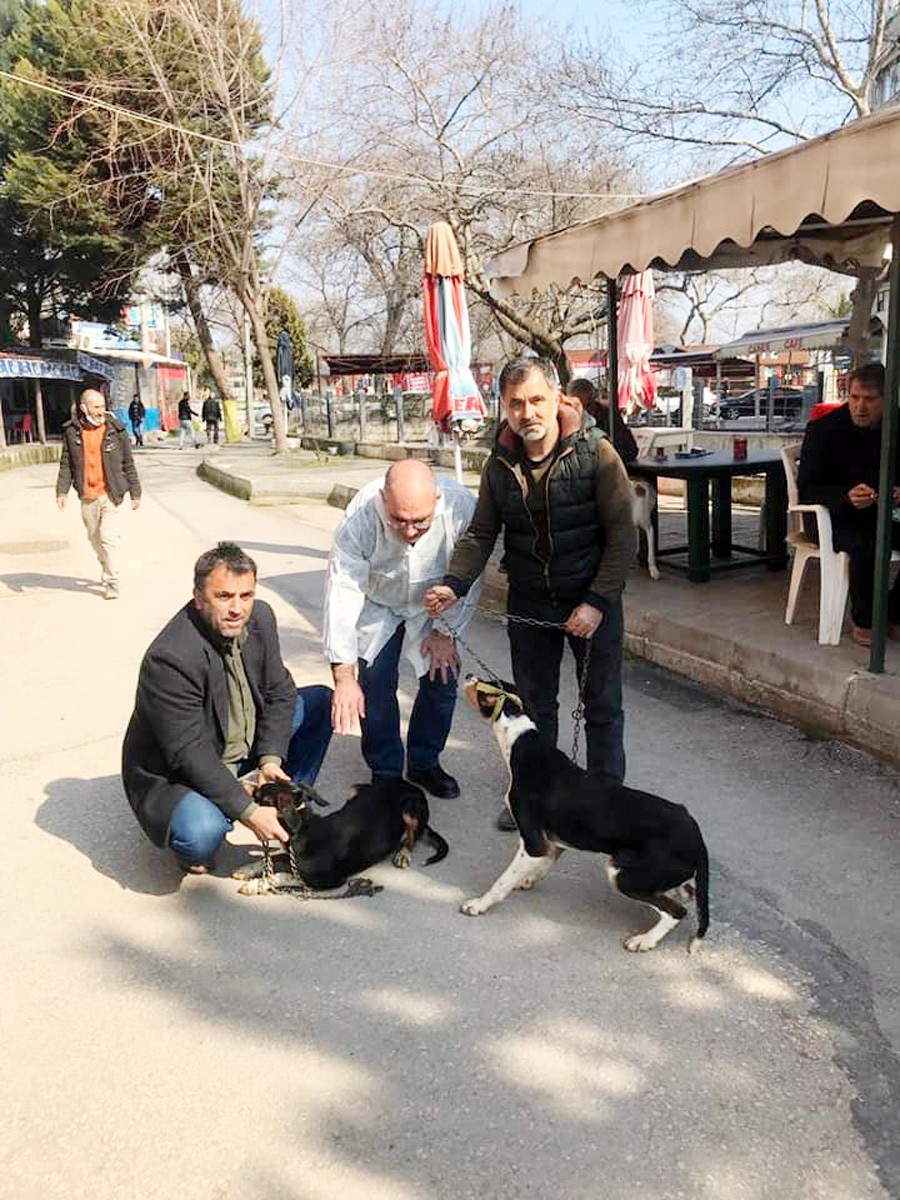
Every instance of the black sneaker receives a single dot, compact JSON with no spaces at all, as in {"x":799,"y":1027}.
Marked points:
{"x":434,"y":780}
{"x":506,"y":821}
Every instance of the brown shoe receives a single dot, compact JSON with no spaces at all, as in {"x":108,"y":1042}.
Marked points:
{"x":862,"y":637}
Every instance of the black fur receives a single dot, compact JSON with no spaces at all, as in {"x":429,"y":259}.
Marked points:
{"x":655,"y":844}
{"x":377,"y":820}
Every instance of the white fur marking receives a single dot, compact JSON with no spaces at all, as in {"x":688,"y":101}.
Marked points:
{"x":522,"y":873}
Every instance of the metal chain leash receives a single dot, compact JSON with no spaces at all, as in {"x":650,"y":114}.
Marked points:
{"x":359,"y":886}
{"x":578,"y":710}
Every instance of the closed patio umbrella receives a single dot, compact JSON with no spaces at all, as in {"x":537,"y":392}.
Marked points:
{"x":637,"y":379}
{"x":458,"y":406}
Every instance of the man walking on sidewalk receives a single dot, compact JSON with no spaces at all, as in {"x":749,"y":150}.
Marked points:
{"x":97,"y":461}
{"x":396,"y":538}
{"x":186,"y":422}
{"x":214,"y":702}
{"x":212,"y":415}
{"x":136,"y":414}
{"x":559,"y":491}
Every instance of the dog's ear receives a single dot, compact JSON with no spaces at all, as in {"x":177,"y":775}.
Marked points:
{"x":308,"y":795}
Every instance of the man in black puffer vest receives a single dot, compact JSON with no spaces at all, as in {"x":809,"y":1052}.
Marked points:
{"x":559,"y":491}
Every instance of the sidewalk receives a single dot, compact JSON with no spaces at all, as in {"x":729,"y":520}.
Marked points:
{"x":728,"y":634}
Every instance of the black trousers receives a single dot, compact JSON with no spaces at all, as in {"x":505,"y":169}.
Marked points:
{"x":857,"y":538}
{"x":536,"y":655}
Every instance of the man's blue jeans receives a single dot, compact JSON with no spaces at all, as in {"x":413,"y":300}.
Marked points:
{"x":536,"y":656}
{"x":429,"y":723}
{"x":198,"y":826}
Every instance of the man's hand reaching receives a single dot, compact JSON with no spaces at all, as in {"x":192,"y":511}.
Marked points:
{"x":441,"y":652}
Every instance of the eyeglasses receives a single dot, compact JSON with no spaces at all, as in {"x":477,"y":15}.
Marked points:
{"x":396,"y":524}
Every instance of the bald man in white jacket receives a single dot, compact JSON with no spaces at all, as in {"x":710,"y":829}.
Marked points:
{"x":396,"y":539}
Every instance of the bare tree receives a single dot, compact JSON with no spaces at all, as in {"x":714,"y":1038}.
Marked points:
{"x":709,"y":306}
{"x":742,"y":76}
{"x":453,"y":118}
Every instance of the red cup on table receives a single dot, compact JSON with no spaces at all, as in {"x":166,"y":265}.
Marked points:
{"x":739,"y":449}
{"x":660,"y":452}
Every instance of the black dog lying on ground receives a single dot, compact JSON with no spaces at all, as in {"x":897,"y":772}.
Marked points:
{"x":657,"y":853}
{"x":381,"y":818}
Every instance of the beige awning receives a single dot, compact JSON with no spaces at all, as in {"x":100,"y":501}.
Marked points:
{"x":827,"y":201}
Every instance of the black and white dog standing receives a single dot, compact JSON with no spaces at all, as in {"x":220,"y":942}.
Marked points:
{"x":657,"y":853}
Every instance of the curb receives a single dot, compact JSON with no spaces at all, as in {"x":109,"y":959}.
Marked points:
{"x":29,"y":455}
{"x":254,"y":491}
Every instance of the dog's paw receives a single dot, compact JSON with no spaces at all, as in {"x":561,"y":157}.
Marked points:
{"x":254,"y":887}
{"x":639,"y":943}
{"x":653,"y":572}
{"x":402,"y":859}
{"x":473,"y":908}
{"x":250,"y":870}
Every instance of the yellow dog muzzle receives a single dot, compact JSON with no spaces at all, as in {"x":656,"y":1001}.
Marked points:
{"x":500,"y":694}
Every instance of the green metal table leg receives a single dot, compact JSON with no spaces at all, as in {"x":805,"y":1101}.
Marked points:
{"x":698,"y":529}
{"x":721,"y":517}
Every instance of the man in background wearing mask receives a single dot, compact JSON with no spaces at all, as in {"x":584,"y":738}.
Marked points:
{"x":97,"y":461}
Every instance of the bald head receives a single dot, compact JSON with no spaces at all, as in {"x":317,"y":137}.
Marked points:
{"x":93,"y":406}
{"x":410,"y":493}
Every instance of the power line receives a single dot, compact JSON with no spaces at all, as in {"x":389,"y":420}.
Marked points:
{"x":305,"y":160}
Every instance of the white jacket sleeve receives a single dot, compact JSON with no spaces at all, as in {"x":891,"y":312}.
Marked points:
{"x":460,"y":614}
{"x":345,"y":595}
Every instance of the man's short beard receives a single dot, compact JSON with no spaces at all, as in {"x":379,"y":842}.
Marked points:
{"x":535,"y":434}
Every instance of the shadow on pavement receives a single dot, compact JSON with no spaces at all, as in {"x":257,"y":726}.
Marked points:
{"x":32,"y":580}
{"x":93,"y":816}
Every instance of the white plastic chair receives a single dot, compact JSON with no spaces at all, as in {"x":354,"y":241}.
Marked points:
{"x":834,"y":566}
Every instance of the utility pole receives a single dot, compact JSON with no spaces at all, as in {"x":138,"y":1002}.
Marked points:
{"x":248,"y":374}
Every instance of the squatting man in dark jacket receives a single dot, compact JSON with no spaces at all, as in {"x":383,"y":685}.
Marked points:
{"x":214,"y":701}
{"x":97,"y":461}
{"x":558,"y":489}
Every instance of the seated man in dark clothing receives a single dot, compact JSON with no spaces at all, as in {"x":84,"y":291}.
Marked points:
{"x":214,"y":702}
{"x":839,"y":468}
{"x":598,"y":408}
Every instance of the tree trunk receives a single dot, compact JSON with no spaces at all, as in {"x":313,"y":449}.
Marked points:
{"x":261,"y":338}
{"x":39,"y":413}
{"x":201,"y":325}
{"x":858,"y":335}
{"x":35,"y":331}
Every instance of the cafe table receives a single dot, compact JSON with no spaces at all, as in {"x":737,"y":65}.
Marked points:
{"x":708,"y":476}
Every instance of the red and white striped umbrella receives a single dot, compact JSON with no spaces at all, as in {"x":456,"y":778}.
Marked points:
{"x":457,"y":401}
{"x":637,"y":379}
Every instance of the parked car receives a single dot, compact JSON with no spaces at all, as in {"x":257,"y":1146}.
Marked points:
{"x":787,"y":403}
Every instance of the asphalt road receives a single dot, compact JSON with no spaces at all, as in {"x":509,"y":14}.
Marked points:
{"x":167,"y":1037}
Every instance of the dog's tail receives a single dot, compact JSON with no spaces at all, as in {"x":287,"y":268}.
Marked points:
{"x":441,"y":849}
{"x":702,"y":878}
